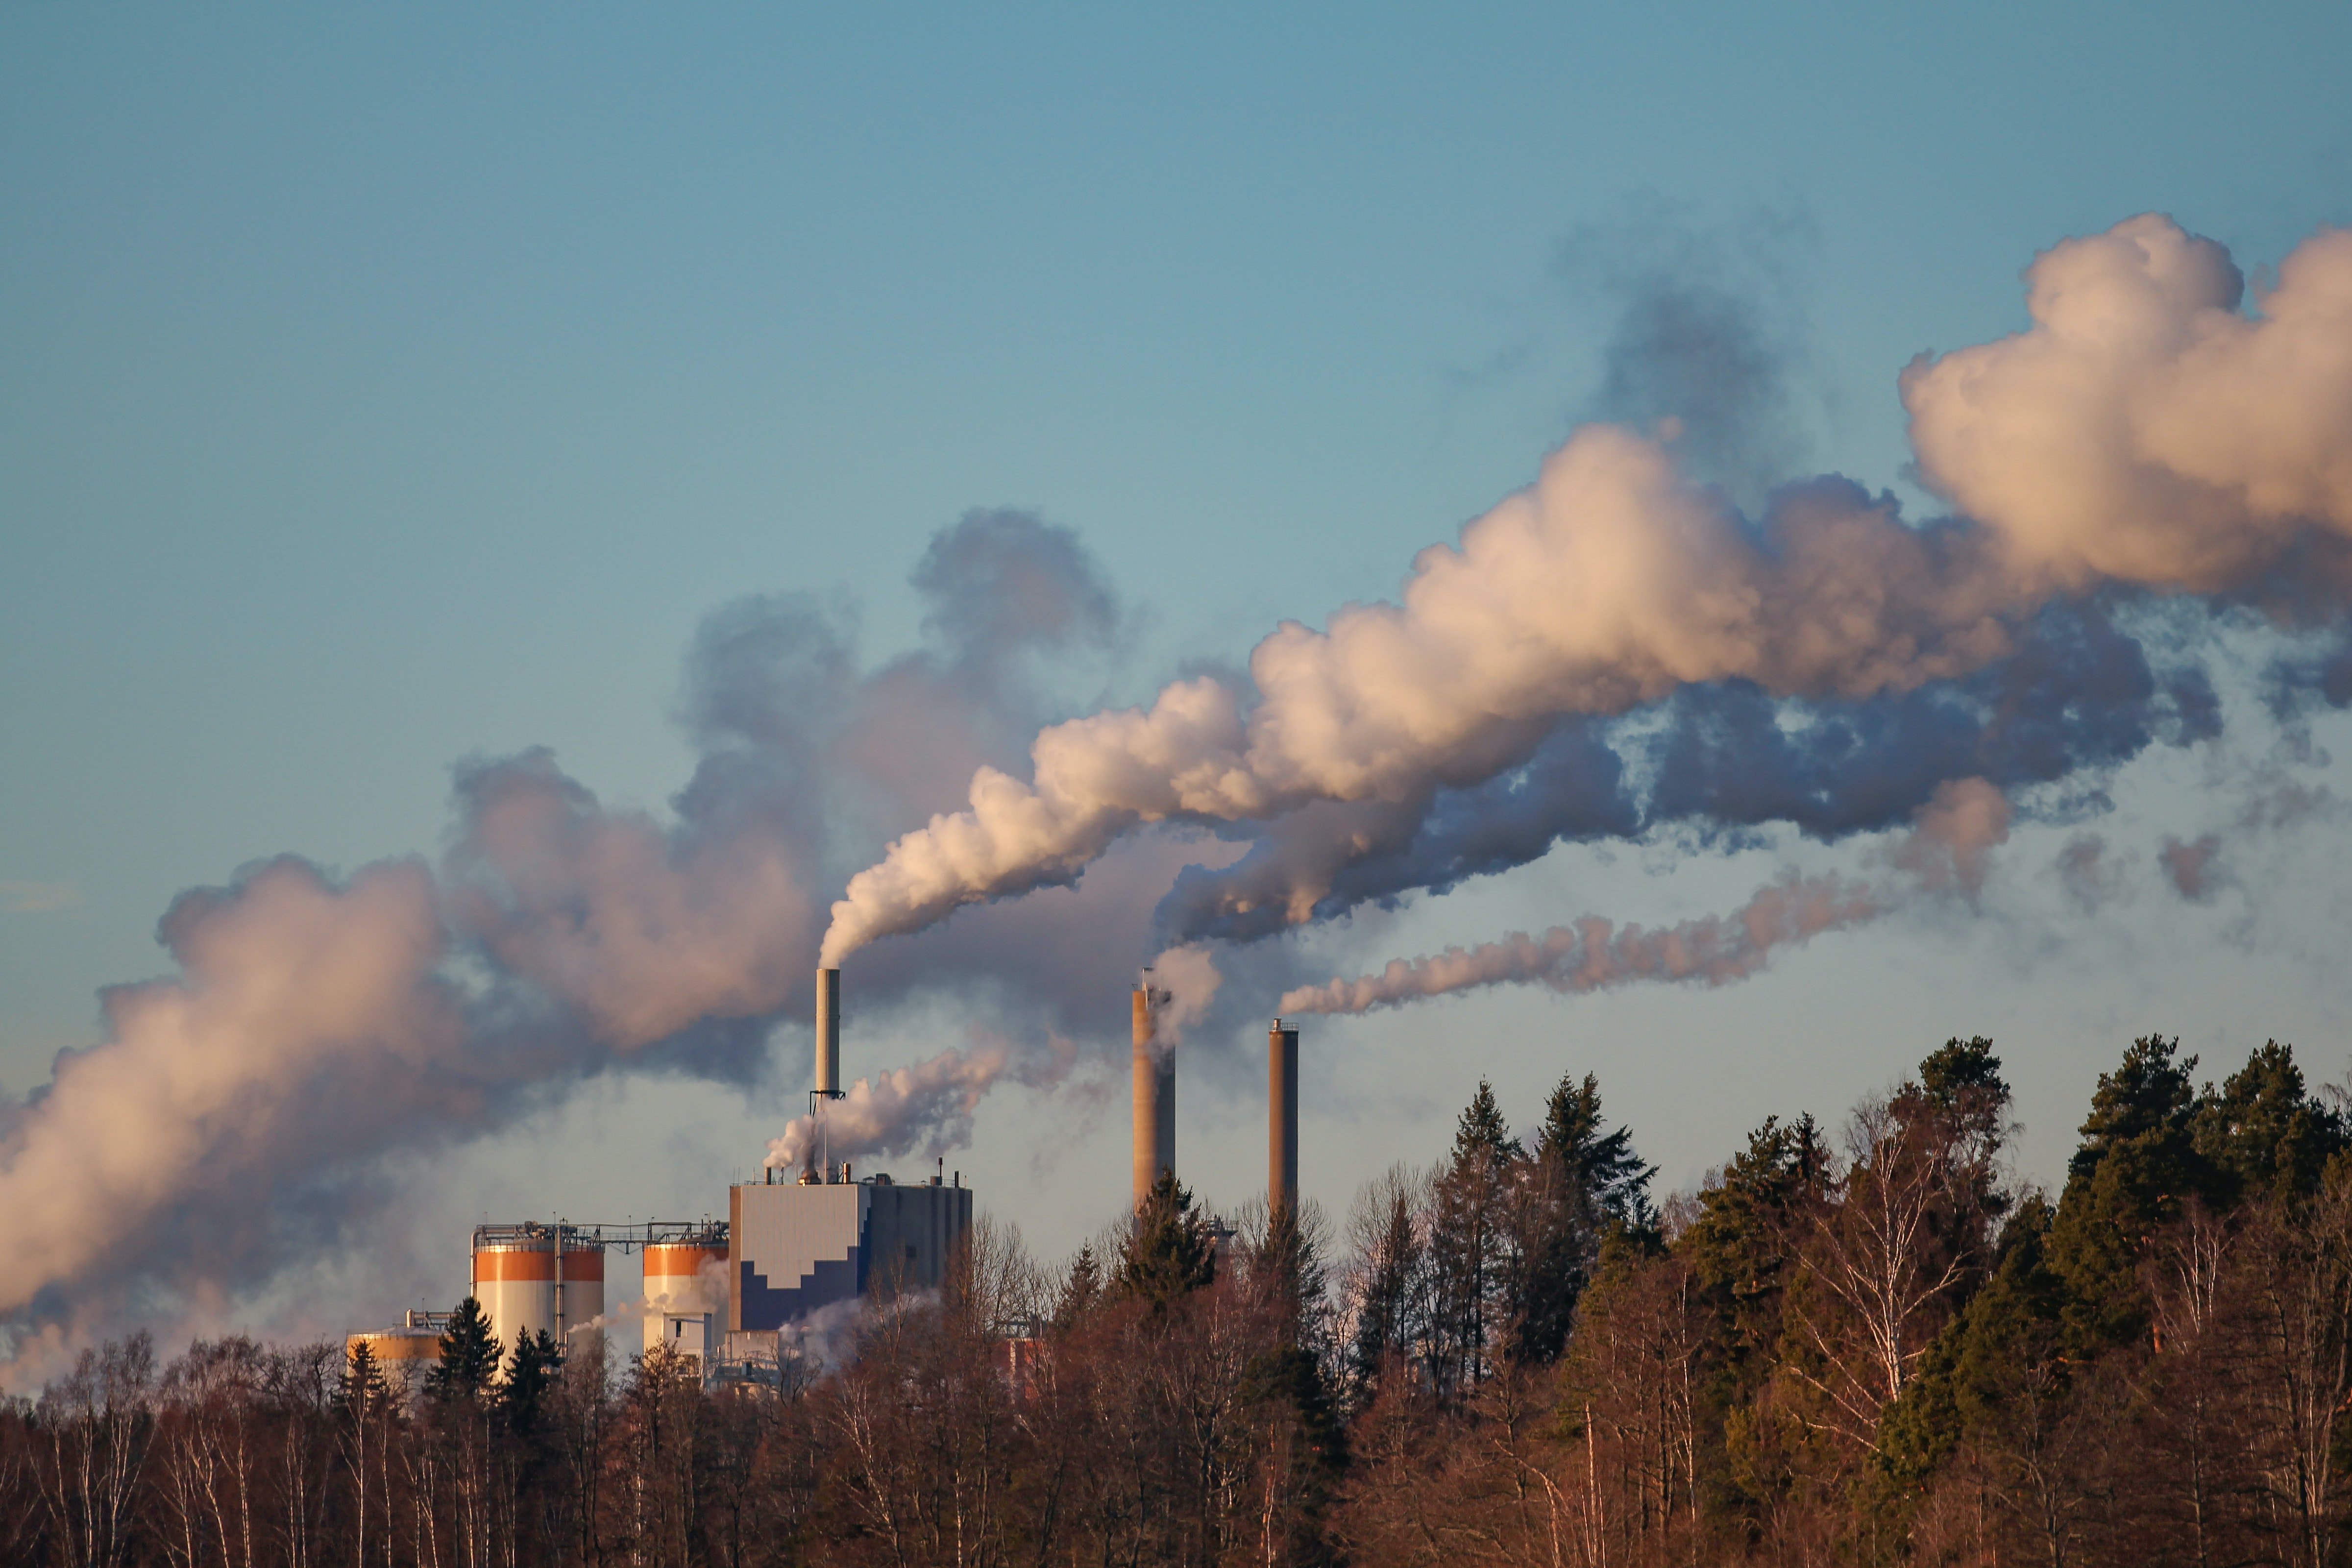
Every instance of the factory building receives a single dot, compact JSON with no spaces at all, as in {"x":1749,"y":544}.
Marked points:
{"x":796,"y":1247}
{"x":721,"y":1291}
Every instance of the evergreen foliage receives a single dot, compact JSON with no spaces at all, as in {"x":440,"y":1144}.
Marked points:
{"x":469,"y":1358}
{"x":1171,"y":1252}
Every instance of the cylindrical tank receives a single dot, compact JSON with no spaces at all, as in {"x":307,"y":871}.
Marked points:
{"x":404,"y":1356}
{"x":1281,"y":1118}
{"x":828,"y":1031}
{"x":1155,"y":1094}
{"x":686,"y":1293}
{"x":525,"y":1286}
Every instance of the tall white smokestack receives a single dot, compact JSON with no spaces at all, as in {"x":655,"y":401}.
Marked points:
{"x":1281,"y":1118}
{"x":828,"y":1033}
{"x":1155,"y":1093}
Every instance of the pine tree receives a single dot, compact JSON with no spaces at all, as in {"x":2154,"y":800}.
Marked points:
{"x":1470,"y":1245}
{"x":2136,"y":1168}
{"x":1585,"y":1182}
{"x":361,"y":1398}
{"x":1741,"y":1245}
{"x":1482,"y":1136}
{"x":1171,"y":1252}
{"x":2261,"y":1135}
{"x":1286,"y":1260}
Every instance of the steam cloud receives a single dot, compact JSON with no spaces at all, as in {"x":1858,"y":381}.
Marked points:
{"x":232,"y":1118}
{"x":1615,"y":650}
{"x":2142,"y":435}
{"x":1594,"y":953}
{"x":1947,"y":851}
{"x":926,"y":1106}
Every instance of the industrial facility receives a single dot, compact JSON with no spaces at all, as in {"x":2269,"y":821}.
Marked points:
{"x":721,"y":1292}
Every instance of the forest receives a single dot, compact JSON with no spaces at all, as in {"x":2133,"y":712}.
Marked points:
{"x":1865,"y":1344}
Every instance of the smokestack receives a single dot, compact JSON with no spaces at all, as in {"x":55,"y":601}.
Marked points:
{"x":1281,"y":1118}
{"x":828,"y":1033}
{"x":1155,"y":1093}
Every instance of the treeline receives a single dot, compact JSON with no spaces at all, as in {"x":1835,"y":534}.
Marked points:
{"x":1872,"y":1347}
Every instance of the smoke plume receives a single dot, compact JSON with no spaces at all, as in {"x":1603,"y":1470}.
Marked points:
{"x":2192,"y":867}
{"x":1617,"y":651}
{"x":2141,"y":437}
{"x":1593,"y":953}
{"x":1946,"y":850}
{"x":234,"y":1117}
{"x":926,"y":1108}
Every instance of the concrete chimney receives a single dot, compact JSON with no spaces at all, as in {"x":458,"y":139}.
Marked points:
{"x":828,"y":1031}
{"x":1282,"y":1118}
{"x":1155,"y":1093}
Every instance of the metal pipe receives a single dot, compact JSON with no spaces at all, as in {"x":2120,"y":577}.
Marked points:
{"x":562,"y":1343}
{"x":1281,"y":1118}
{"x":828,"y":1033}
{"x":1155,"y":1093}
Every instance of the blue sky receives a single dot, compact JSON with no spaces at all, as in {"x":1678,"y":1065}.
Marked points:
{"x":382,"y":387}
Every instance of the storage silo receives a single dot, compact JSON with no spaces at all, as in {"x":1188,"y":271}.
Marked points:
{"x":403,"y":1354}
{"x":686,"y":1292}
{"x":527,"y":1283}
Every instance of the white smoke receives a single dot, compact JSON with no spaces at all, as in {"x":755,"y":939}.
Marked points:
{"x":2143,"y":430}
{"x":1946,"y":850}
{"x":233,"y":1119}
{"x":1189,"y":976}
{"x":2141,"y":433}
{"x":926,"y":1108}
{"x":1594,"y":953}
{"x":307,"y":1018}
{"x":640,"y":936}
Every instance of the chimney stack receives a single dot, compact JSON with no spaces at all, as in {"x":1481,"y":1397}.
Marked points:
{"x":828,"y":1033}
{"x":1155,"y":1093}
{"x":1281,"y":1118}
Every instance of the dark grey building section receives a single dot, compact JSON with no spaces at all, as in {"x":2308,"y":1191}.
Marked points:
{"x":793,"y":1249}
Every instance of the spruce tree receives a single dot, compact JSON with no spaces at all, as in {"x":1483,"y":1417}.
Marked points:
{"x":1080,"y":1291}
{"x":1585,"y":1182}
{"x":469,"y":1358}
{"x":364,"y":1388}
{"x":530,"y":1370}
{"x":1391,"y":1288}
{"x":1469,"y":1244}
{"x":1171,"y":1253}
